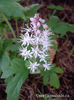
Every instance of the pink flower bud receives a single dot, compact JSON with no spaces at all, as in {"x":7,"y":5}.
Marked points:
{"x":45,"y":26}
{"x":32,"y":20}
{"x":41,"y":20}
{"x":36,"y":16}
{"x":34,"y":26}
{"x":38,"y":24}
{"x":38,"y":32}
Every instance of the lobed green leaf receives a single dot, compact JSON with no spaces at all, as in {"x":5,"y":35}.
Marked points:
{"x":58,"y":70}
{"x":11,"y":8}
{"x":18,"y":73}
{"x":54,"y":80}
{"x":55,"y":7}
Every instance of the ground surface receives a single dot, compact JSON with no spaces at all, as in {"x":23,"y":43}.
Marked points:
{"x":64,"y":59}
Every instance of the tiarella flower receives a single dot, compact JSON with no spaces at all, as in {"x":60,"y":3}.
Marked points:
{"x":33,"y":66}
{"x":46,"y":66}
{"x":46,"y":45}
{"x":41,"y":20}
{"x":45,"y":26}
{"x":25,"y":39}
{"x":25,"y":53}
{"x":35,"y":52}
{"x":46,"y":33}
{"x":32,"y":20}
{"x":42,"y":58}
{"x":38,"y":32}
{"x":36,"y":40}
{"x":39,"y":41}
{"x":36,"y":16}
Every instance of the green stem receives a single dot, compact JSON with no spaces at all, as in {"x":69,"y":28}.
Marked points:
{"x":54,"y":12}
{"x":5,"y":34}
{"x":6,"y":20}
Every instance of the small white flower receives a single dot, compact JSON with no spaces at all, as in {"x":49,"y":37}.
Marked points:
{"x":35,"y":52}
{"x":32,"y":19}
{"x":46,"y":66}
{"x":46,"y":45}
{"x":25,"y":39}
{"x":45,"y":26}
{"x":42,"y":58}
{"x":36,"y":40}
{"x":33,"y":66}
{"x":38,"y":32}
{"x":25,"y":53}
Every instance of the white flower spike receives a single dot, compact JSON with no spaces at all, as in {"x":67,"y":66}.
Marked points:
{"x":35,"y":43}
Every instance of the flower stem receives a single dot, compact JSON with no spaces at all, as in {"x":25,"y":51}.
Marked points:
{"x":5,"y":34}
{"x":8,"y":23}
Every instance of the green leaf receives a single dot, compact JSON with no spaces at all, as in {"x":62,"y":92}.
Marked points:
{"x":38,"y":60}
{"x":54,"y":80}
{"x":58,"y":70}
{"x":11,"y":8}
{"x":53,"y":37}
{"x":16,"y":66}
{"x":55,"y":7}
{"x":61,"y":28}
{"x":14,"y":86}
{"x":3,"y":28}
{"x":7,"y":43}
{"x":5,"y":61}
{"x":51,"y":77}
{"x":13,"y":47}
{"x":51,"y":7}
{"x":45,"y":79}
{"x":52,"y":22}
{"x":59,"y":8}
{"x":18,"y":73}
{"x":46,"y":76}
{"x":54,"y":46}
{"x":1,"y":46}
{"x":58,"y":27}
{"x":71,"y":28}
{"x":57,"y":99}
{"x":4,"y":57}
{"x":31,"y":10}
{"x":27,"y":63}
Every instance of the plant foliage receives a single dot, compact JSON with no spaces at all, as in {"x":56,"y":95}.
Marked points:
{"x":52,"y":77}
{"x":16,"y":69}
{"x":55,"y":7}
{"x":11,"y":8}
{"x":59,"y":27}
